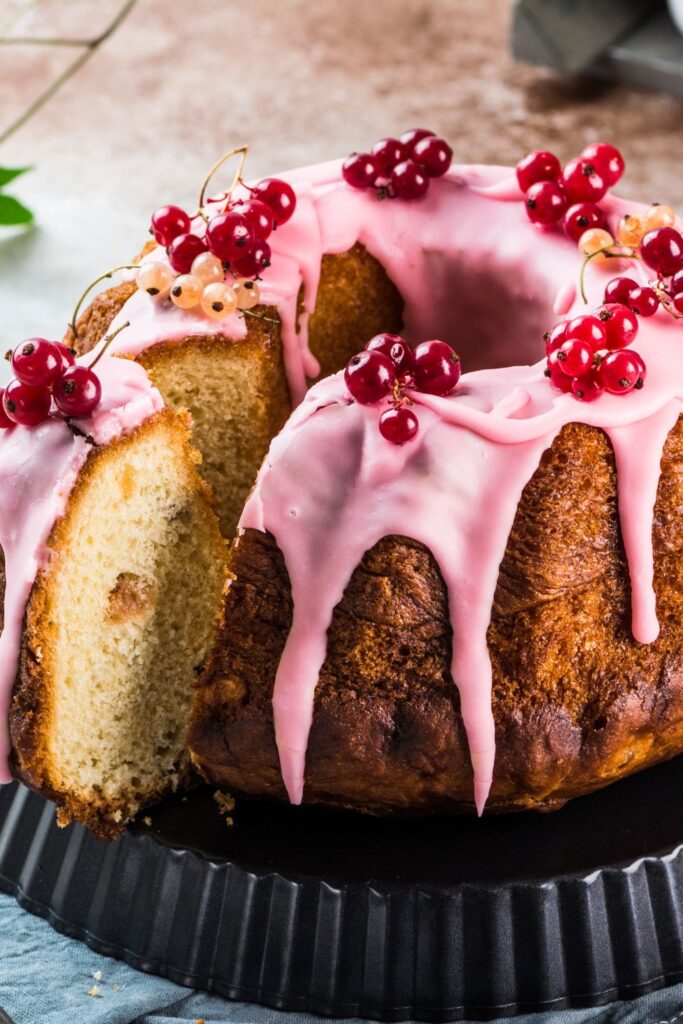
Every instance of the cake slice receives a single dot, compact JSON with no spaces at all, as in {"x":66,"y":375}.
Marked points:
{"x":121,"y":615}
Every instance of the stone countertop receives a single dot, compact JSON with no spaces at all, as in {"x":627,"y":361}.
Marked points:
{"x":300,"y":81}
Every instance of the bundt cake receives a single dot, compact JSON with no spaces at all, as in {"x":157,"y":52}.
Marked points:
{"x":112,"y":574}
{"x":446,"y":591}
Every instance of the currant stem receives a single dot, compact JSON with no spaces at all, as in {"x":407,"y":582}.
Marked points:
{"x":628,"y":254}
{"x":242,"y":151}
{"x":103,"y":277}
{"x":107,"y":342}
{"x":665,"y":300}
{"x":259,"y":316}
{"x":90,"y":45}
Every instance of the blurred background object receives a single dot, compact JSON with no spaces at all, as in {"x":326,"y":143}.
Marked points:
{"x":632,"y":41}
{"x":176,"y":85}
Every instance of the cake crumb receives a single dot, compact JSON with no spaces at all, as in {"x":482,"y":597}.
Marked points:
{"x":147,"y":821}
{"x":116,"y":988}
{"x":226,"y":804}
{"x":200,"y":1020}
{"x":97,"y":975}
{"x":95,"y":992}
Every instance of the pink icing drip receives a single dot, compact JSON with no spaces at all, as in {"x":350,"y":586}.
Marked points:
{"x":38,"y":468}
{"x":325,"y":514}
{"x":638,"y":451}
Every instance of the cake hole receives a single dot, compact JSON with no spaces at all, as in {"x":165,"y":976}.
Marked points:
{"x":496,"y":319}
{"x":130,"y":599}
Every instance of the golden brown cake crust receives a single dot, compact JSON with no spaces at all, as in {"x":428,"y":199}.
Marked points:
{"x":577,"y":703}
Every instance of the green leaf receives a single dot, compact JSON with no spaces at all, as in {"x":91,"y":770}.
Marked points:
{"x":8,"y":174}
{"x":13,"y":212}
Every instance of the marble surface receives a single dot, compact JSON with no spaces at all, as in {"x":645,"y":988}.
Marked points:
{"x":298,"y":80}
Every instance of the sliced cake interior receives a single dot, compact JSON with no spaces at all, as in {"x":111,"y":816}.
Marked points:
{"x":117,"y":629}
{"x":236,"y":390}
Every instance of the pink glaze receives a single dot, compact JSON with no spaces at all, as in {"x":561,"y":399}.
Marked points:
{"x":420,"y":253}
{"x":38,"y":468}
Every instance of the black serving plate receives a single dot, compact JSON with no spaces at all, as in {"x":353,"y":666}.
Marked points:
{"x":336,"y":913}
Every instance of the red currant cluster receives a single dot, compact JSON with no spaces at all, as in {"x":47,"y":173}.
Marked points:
{"x":572,"y":193}
{"x":399,"y":168}
{"x":387,"y":366}
{"x":237,"y":235}
{"x":589,"y":355}
{"x":47,"y":372}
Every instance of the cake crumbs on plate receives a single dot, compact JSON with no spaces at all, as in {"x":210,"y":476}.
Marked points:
{"x":95,"y":992}
{"x":97,"y":975}
{"x":147,"y":821}
{"x":226,"y":804}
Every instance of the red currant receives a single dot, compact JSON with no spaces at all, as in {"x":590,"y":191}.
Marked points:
{"x":5,"y":422}
{"x":677,"y":302}
{"x":557,"y":375}
{"x":433,"y":155}
{"x":662,"y":249}
{"x":644,"y":301}
{"x":229,"y":236}
{"x":78,"y":391}
{"x":582,"y":216}
{"x":398,"y":425}
{"x":553,"y":339}
{"x":415,"y":135}
{"x":587,"y":388}
{"x":582,"y":181}
{"x":642,"y":370}
{"x":575,"y":357}
{"x":545,"y":202}
{"x":607,"y":159}
{"x":360,"y":170}
{"x":259,"y":216}
{"x":619,"y":289}
{"x":168,"y":222}
{"x":67,"y":354}
{"x":588,"y":328}
{"x":620,"y":323}
{"x":677,"y":283}
{"x":255,"y":262}
{"x":537,"y":166}
{"x":183,"y":251}
{"x":619,"y":371}
{"x":369,"y":376}
{"x":26,"y":405}
{"x":437,"y":368}
{"x":409,"y":181}
{"x":395,"y":348}
{"x":279,"y":196}
{"x":387,"y":153}
{"x":37,"y":362}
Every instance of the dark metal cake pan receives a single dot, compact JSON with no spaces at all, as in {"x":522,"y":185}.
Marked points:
{"x":340,"y":914}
